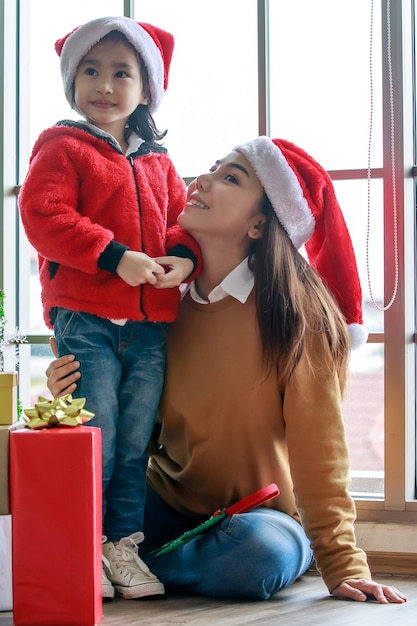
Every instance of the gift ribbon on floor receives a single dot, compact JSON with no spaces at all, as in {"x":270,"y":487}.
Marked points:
{"x":250,"y":502}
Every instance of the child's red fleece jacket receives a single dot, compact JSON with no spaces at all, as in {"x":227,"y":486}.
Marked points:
{"x":83,"y":203}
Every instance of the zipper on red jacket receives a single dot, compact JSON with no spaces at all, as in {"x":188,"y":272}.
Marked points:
{"x":131,"y":161}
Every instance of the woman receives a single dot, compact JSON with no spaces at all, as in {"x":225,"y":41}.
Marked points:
{"x":256,"y":370}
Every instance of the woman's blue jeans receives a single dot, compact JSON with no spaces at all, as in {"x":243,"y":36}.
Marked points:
{"x":248,"y":556}
{"x":122,"y":372}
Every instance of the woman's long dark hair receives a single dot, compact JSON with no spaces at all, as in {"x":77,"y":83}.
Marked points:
{"x":291,"y":302}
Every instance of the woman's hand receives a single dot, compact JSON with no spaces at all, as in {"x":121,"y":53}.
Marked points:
{"x":62,"y":373}
{"x":361,"y":590}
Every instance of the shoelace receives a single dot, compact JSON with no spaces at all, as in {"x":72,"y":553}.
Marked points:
{"x":127,"y":548}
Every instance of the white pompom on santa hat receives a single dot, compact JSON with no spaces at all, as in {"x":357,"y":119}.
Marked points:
{"x":303,"y":198}
{"x":154,"y":46}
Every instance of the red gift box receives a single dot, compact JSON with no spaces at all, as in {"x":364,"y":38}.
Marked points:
{"x":56,"y":526}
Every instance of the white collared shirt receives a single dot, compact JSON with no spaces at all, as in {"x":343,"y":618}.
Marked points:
{"x":238,"y":284}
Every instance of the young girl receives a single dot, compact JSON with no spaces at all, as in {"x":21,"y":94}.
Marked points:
{"x":100,"y":204}
{"x":256,"y":370}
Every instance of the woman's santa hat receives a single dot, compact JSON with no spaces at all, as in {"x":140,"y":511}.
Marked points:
{"x":154,"y":46}
{"x":303,"y":198}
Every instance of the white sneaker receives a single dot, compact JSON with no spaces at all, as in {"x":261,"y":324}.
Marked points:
{"x":128,"y":574}
{"x":107,"y":589}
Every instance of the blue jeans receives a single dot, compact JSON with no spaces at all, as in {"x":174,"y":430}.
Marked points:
{"x":247,"y":556}
{"x":122,"y":373}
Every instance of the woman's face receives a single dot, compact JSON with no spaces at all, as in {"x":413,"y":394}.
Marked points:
{"x":225,"y":202}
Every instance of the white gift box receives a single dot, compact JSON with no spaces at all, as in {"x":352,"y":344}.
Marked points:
{"x":6,"y":598}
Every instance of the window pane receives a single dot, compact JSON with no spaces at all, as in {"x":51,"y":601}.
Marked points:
{"x":413,"y":423}
{"x":44,"y":73}
{"x":353,"y":200}
{"x":364,"y":419}
{"x":364,"y":402}
{"x":40,"y":83}
{"x":320,"y":79}
{"x":211,"y":103}
{"x":32,"y":379}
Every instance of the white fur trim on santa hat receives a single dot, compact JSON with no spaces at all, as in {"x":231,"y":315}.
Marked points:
{"x":81,"y":40}
{"x":358,"y":335}
{"x":282,"y":188}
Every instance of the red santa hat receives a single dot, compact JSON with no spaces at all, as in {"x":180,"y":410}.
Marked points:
{"x":154,"y":46}
{"x":303,"y":198}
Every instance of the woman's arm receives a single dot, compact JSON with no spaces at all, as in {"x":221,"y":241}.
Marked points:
{"x":62,"y":373}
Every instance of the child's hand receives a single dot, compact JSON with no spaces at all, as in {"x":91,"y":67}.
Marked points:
{"x":137,"y":268}
{"x":176,"y":271}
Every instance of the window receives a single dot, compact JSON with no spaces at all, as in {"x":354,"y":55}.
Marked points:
{"x":241,"y":68}
{"x":320,"y":98}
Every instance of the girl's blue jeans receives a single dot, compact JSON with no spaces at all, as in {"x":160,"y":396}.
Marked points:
{"x":122,"y":372}
{"x":247,"y":556}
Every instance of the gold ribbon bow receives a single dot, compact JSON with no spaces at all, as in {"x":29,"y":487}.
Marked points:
{"x":64,"y":411}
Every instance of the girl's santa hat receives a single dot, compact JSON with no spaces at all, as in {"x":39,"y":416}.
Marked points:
{"x":154,"y":46}
{"x":303,"y":198}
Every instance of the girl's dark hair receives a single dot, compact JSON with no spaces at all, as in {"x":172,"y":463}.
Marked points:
{"x":142,"y":123}
{"x":292,"y":303}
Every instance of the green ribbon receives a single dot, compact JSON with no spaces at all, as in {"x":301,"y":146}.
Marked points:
{"x":190,"y":534}
{"x":65,"y":411}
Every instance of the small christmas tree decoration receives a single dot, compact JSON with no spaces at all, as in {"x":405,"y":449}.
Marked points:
{"x":7,"y":340}
{"x":10,"y":406}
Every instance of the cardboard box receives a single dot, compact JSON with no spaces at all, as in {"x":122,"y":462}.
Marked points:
{"x":6,"y":597}
{"x":56,"y":506}
{"x":8,"y":397}
{"x":4,"y":467}
{"x":4,"y":471}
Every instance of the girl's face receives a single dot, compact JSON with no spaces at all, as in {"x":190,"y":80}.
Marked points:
{"x":108,"y":85}
{"x":225,"y":202}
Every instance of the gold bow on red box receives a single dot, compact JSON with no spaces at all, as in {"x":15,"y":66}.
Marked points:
{"x":65,"y":411}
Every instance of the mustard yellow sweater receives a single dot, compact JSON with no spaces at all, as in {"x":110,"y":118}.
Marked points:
{"x":228,"y":431}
